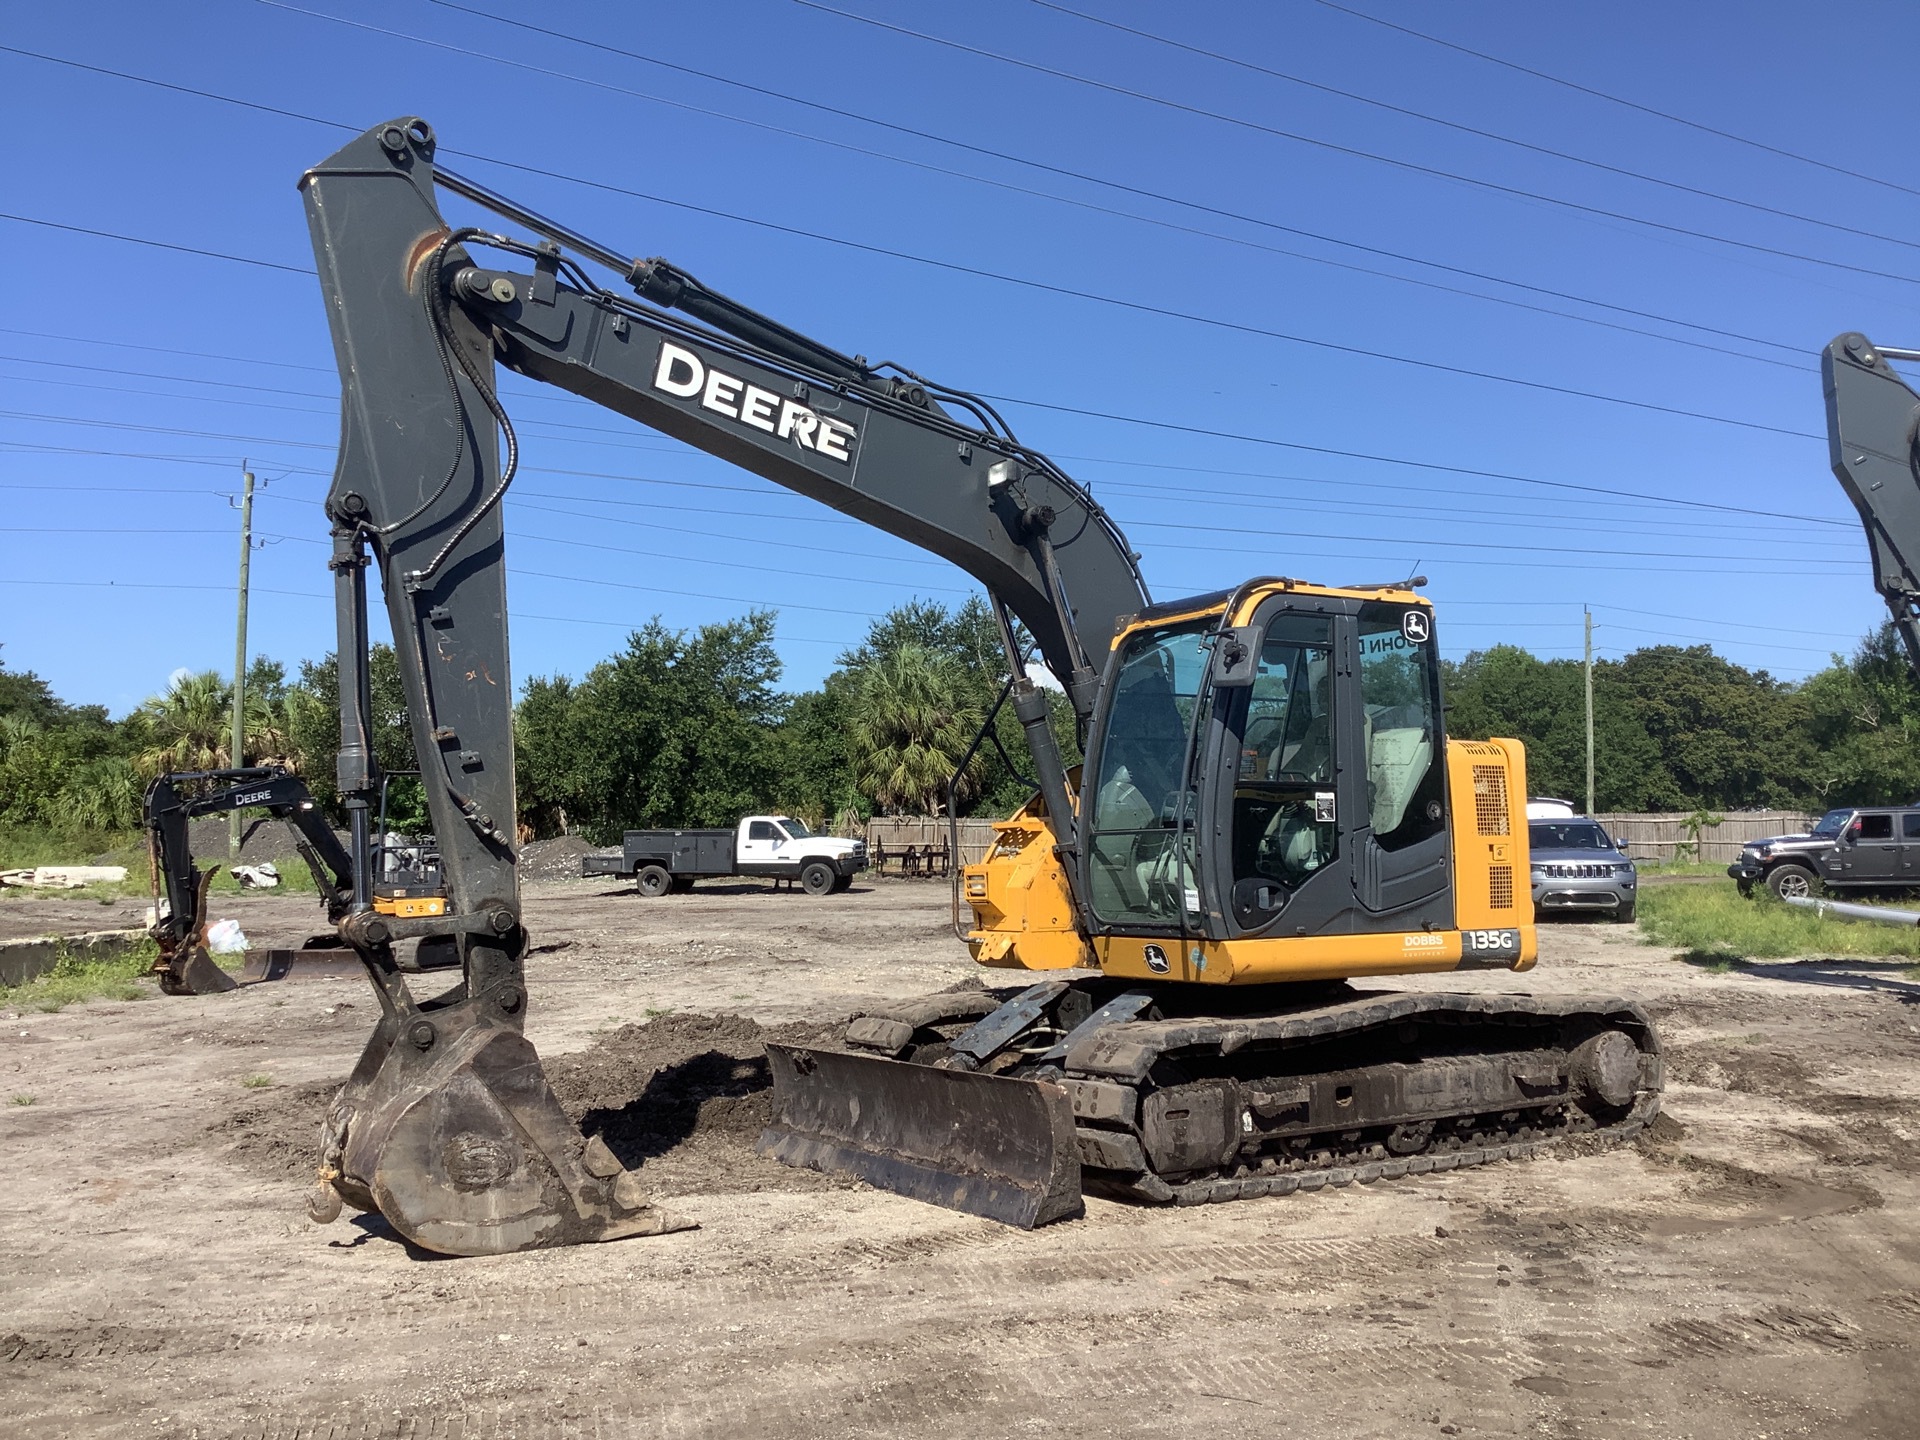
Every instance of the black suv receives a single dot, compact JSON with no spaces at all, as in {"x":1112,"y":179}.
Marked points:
{"x":1860,"y":847}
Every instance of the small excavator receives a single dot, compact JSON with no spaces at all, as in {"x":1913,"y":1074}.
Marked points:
{"x":1269,"y":807}
{"x":180,"y":917}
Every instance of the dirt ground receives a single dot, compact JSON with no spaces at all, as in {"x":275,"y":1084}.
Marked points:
{"x":1753,"y":1270}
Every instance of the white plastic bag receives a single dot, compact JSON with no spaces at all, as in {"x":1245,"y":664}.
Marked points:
{"x":257,"y":877}
{"x":225,"y":938}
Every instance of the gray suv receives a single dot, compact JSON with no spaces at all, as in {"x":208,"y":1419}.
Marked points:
{"x":1859,"y":847}
{"x":1576,"y":867}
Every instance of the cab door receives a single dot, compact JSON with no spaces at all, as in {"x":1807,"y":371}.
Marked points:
{"x":1869,"y":850}
{"x":761,"y":845}
{"x":1328,"y":809}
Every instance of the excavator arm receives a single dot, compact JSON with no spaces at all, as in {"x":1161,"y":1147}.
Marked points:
{"x":447,"y":1126}
{"x":1873,"y":439}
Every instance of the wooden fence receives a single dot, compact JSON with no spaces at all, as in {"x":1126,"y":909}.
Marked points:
{"x":896,"y":834}
{"x":1649,"y":837}
{"x":1659,"y":837}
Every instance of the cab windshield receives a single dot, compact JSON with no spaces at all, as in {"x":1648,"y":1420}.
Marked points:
{"x":795,"y":829}
{"x":1830,"y":824}
{"x":1567,"y":835}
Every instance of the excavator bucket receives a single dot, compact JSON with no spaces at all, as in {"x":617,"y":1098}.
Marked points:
{"x":449,"y":1130}
{"x":985,"y":1144}
{"x":190,"y":970}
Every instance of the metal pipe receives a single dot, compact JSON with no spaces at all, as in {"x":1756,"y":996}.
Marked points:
{"x":1840,"y":910}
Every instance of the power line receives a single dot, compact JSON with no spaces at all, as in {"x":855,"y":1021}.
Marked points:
{"x":1067,"y":291}
{"x":1106,"y":184}
{"x":1377,"y":459}
{"x":157,"y":244}
{"x":1619,"y":100}
{"x":162,"y":349}
{"x":517,"y":616}
{"x":1254,"y":125}
{"x":1023,"y":282}
{"x":1182,"y":493}
{"x":1068,"y":409}
{"x":1475,"y":130}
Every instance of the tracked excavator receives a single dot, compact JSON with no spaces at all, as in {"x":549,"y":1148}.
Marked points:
{"x":1268,"y":809}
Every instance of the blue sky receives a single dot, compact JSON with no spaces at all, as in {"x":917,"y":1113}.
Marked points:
{"x":1282,"y":282}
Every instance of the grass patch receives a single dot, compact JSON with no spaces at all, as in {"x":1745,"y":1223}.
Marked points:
{"x":28,"y":849}
{"x":23,"y":1099}
{"x":1685,"y":867}
{"x":258,"y":1082}
{"x":1718,"y":928}
{"x":75,"y":978}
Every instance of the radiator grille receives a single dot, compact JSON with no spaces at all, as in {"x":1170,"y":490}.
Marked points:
{"x":1490,"y":799}
{"x":1500,"y":887}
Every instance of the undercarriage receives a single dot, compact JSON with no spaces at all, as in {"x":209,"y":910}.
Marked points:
{"x":1013,"y":1104}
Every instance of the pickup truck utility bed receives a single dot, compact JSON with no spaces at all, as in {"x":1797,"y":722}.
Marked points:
{"x":777,"y":845}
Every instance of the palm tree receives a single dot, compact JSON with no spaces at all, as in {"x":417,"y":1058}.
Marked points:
{"x":190,"y":725}
{"x":912,"y":721}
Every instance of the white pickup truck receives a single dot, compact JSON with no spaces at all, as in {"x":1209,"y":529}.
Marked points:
{"x":662,"y":860}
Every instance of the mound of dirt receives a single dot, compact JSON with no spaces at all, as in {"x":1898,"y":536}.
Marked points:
{"x":681,"y":1098}
{"x":559,"y":858}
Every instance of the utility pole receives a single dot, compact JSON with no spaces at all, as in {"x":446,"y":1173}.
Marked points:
{"x":235,"y":756}
{"x":1589,"y":615}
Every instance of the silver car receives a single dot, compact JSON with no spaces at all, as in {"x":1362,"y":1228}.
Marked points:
{"x":1577,"y":867}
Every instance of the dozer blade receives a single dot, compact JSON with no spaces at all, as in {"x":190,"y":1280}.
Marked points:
{"x":985,"y":1144}
{"x":449,"y":1130}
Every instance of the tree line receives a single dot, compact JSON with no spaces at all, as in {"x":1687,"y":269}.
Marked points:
{"x":692,"y":727}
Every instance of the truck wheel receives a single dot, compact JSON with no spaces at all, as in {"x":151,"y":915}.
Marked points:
{"x":842,"y":882}
{"x":1792,"y":882}
{"x":653,"y":881}
{"x":817,"y":877}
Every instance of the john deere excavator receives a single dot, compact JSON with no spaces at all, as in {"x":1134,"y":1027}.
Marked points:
{"x":1269,"y":806}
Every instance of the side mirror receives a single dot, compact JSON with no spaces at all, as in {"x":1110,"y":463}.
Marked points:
{"x":1621,"y":846}
{"x":1235,"y":658}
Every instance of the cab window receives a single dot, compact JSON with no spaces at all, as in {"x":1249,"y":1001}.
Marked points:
{"x":1134,"y":811}
{"x":1874,"y":827}
{"x":762,"y":830}
{"x":1405,"y":753}
{"x":1911,"y":826}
